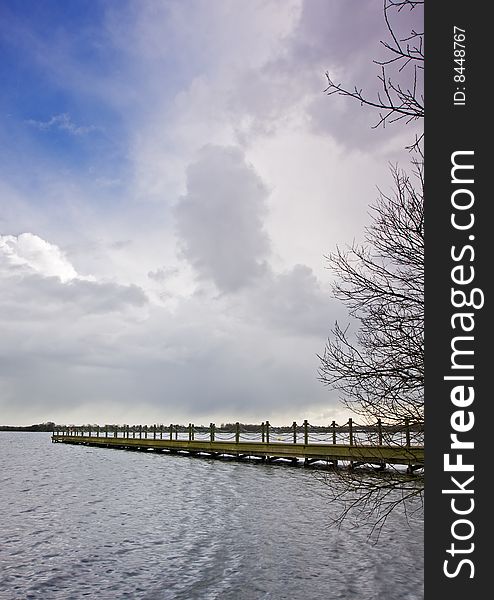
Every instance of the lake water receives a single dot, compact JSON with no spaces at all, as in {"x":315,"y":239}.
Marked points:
{"x":82,"y":522}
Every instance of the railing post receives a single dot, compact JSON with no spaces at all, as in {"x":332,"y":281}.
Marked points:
{"x":140,"y":432}
{"x":115,"y":431}
{"x":171,"y":431}
{"x":106,"y":431}
{"x":133,"y":432}
{"x":146,"y":432}
{"x":211,"y":431}
{"x":237,"y":432}
{"x":154,"y":431}
{"x":333,"y":425}
{"x":379,"y":432}
{"x":407,"y":431}
{"x":192,"y":431}
{"x":262,"y":432}
{"x":176,"y":432}
{"x":350,"y":430}
{"x":294,"y":432}
{"x":161,"y":431}
{"x":267,"y":432}
{"x":306,"y":432}
{"x":89,"y":432}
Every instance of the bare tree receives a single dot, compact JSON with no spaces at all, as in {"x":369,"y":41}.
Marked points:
{"x":379,"y":368}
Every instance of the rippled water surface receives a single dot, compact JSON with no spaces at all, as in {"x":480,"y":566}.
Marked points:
{"x":80,"y":522}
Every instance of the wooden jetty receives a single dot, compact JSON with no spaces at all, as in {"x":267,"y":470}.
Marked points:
{"x":267,"y":449}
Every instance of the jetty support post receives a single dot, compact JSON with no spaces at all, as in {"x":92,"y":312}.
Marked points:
{"x":211,"y":432}
{"x":237,"y":432}
{"x":263,"y":434}
{"x":171,"y":431}
{"x":267,"y":432}
{"x":407,"y":431}
{"x":350,"y":433}
{"x":306,"y":432}
{"x":333,"y":425}
{"x":379,"y":432}
{"x":294,"y":425}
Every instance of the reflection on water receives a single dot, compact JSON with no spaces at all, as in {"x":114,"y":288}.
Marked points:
{"x":81,"y":522}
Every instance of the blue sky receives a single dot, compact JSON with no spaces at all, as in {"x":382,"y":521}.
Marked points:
{"x":171,"y":177}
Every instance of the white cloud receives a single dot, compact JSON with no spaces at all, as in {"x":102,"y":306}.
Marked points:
{"x":62,"y":122}
{"x":32,"y":252}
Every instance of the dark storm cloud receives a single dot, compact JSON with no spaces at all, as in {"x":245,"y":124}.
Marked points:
{"x":292,"y":302}
{"x":35,"y":296}
{"x":220,"y":219}
{"x":343,"y":39}
{"x":349,"y":41}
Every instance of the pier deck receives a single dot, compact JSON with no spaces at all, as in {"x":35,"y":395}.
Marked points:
{"x":380,"y":455}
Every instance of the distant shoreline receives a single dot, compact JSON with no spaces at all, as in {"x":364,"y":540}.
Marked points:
{"x":46,"y":427}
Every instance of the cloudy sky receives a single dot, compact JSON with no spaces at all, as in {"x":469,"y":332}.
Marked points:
{"x":171,"y":177}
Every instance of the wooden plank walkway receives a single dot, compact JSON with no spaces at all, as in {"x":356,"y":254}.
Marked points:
{"x":310,"y":453}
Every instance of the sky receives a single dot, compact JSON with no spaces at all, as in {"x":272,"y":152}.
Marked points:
{"x":172,"y":177}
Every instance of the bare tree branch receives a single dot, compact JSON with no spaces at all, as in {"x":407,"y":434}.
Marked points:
{"x":395,"y":102}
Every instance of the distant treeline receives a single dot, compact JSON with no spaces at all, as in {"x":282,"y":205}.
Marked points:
{"x":49,"y":426}
{"x":246,"y":427}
